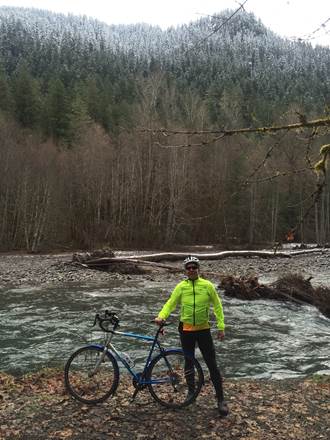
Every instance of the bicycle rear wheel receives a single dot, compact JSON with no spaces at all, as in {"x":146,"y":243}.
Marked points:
{"x":90,"y":375}
{"x":176,"y":379}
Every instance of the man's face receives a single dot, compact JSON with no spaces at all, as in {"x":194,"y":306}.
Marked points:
{"x":192,"y":271}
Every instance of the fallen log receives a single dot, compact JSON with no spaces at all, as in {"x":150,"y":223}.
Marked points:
{"x":155,"y":259}
{"x":125,"y":265}
{"x":83,"y":257}
{"x":292,"y":287}
{"x":179,"y":256}
{"x":138,"y":264}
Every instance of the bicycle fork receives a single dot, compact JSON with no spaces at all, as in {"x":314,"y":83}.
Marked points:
{"x":102,"y":357}
{"x":98,"y":363}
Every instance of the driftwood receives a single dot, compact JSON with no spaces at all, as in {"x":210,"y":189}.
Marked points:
{"x":293,"y":288}
{"x":83,"y":257}
{"x":124,"y":265}
{"x":179,"y":256}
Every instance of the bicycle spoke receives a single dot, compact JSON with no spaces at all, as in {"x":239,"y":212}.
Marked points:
{"x":91,"y":375}
{"x":175,"y":379}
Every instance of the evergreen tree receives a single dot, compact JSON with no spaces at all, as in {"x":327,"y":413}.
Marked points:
{"x":79,"y":119}
{"x":94,"y":99}
{"x":6,"y":99}
{"x":57,"y":111}
{"x":27,"y":98}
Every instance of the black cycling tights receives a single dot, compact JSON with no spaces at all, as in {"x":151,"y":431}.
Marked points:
{"x":205,"y":343}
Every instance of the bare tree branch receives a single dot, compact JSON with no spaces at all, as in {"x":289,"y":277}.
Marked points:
{"x":278,"y":174}
{"x":323,"y":122}
{"x":198,"y":144}
{"x":217,"y":28}
{"x":267,"y":156}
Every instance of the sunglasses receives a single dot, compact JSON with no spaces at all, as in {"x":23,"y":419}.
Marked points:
{"x":191,"y":267}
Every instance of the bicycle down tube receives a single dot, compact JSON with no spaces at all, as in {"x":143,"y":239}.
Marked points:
{"x":113,"y":349}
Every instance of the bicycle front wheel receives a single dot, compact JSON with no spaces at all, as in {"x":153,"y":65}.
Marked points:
{"x":175,"y":379}
{"x":91,"y":375}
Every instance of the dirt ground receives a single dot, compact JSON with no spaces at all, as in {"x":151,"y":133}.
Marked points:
{"x":36,"y":407}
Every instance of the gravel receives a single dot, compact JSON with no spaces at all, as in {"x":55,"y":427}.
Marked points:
{"x":38,"y":270}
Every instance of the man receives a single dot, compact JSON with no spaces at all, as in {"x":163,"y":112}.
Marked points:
{"x":196,"y":295}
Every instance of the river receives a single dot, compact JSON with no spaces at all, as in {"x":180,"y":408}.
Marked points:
{"x":40,"y":327}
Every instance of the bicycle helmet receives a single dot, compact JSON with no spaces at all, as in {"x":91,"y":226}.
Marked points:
{"x":191,"y":259}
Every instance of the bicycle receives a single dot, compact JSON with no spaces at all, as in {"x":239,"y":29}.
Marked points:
{"x":173,"y":378}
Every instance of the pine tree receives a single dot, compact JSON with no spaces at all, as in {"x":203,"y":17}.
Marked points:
{"x":79,"y":119}
{"x":57,"y":109}
{"x":6,"y":99}
{"x":27,"y":98}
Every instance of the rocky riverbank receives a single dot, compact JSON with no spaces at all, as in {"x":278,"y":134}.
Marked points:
{"x":36,"y":407}
{"x":38,"y":270}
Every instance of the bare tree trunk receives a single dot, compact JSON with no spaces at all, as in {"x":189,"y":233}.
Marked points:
{"x":40,"y":220}
{"x":253,"y":191}
{"x":4,"y":218}
{"x":327,"y":217}
{"x":177,"y":187}
{"x":317,"y":230}
{"x":322,"y":220}
{"x":274,"y":214}
{"x":25,"y":209}
{"x":301,"y":220}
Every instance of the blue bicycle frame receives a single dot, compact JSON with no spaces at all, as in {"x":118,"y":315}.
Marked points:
{"x":139,"y":377}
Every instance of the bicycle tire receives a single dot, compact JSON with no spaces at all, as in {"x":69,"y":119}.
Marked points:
{"x":169,"y":380}
{"x":84,"y":384}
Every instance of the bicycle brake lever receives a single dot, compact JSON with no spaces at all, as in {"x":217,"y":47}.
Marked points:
{"x":97,"y":317}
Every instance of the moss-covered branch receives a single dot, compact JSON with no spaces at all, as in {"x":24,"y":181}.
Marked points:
{"x":322,"y":122}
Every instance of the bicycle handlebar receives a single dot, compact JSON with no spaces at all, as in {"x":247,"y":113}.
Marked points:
{"x":113,"y":319}
{"x":105,"y":320}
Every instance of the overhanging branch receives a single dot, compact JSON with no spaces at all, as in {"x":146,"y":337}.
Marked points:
{"x":325,"y":122}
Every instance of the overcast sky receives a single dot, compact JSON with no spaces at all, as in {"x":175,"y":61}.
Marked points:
{"x":290,"y":18}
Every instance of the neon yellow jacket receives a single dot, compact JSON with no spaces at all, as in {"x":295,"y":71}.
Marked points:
{"x":195,"y":297}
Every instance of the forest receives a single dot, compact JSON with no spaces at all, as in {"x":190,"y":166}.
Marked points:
{"x":129,"y":136}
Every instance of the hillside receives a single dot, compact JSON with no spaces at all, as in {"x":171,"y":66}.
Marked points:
{"x":76,"y":95}
{"x":243,"y":59}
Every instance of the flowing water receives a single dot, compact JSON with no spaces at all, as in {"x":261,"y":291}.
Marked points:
{"x":264,"y":339}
